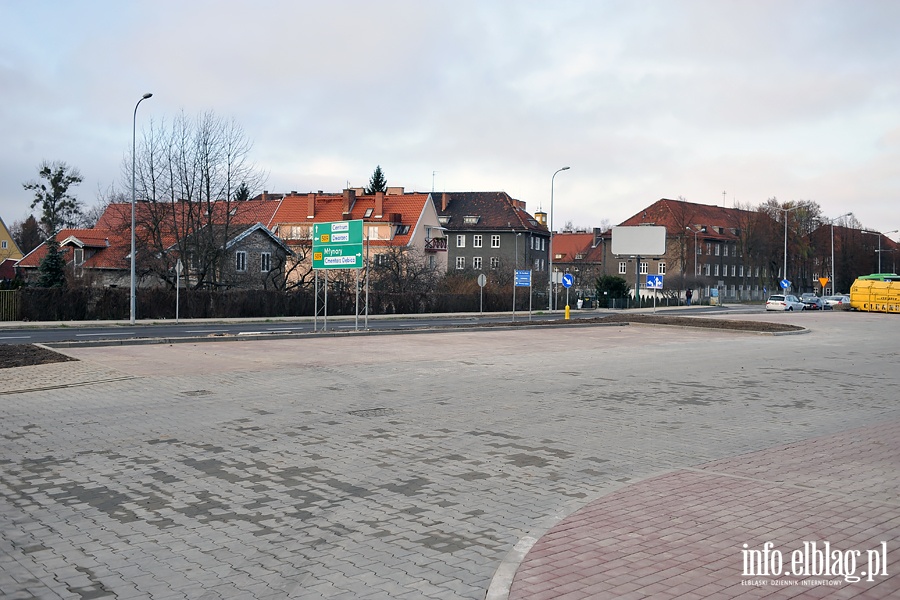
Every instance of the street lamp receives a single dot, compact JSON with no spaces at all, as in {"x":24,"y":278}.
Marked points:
{"x":879,"y":234}
{"x":696,"y":231}
{"x":833,"y":280}
{"x":133,"y":149}
{"x":550,"y":245}
{"x":786,"y":211}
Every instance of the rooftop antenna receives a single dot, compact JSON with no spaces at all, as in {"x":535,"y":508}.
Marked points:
{"x":432,"y":181}
{"x":723,"y":198}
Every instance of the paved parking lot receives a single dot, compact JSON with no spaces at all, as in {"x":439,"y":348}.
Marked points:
{"x":402,"y":466}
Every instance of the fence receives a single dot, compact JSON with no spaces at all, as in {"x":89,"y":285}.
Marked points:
{"x":10,"y":305}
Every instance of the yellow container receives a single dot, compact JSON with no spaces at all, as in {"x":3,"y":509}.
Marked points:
{"x":873,"y":295}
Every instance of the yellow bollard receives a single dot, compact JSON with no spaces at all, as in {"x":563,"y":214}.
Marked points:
{"x":567,"y":312}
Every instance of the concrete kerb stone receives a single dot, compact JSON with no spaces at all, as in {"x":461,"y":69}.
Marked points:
{"x":800,"y":331}
{"x":503,"y":577}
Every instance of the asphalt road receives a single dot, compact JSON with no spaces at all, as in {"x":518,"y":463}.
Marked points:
{"x":20,"y":333}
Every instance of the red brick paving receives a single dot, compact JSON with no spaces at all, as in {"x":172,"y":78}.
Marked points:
{"x":680,"y":534}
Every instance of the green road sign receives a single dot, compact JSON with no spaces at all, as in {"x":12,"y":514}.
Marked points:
{"x":338,"y":245}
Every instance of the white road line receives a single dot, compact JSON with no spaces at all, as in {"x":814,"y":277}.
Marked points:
{"x":203,"y":330}
{"x":16,"y":337}
{"x":96,"y":334}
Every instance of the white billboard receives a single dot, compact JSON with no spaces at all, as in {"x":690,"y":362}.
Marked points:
{"x":643,"y":240}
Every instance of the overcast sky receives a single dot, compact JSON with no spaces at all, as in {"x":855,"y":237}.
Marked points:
{"x":642,"y":99}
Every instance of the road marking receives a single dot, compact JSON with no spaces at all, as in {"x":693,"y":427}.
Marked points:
{"x":15,"y":337}
{"x":95,"y":334}
{"x":203,"y":330}
{"x":291,"y":329}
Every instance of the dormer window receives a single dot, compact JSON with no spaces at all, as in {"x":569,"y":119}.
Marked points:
{"x":402,"y":230}
{"x":368,"y":213}
{"x":444,"y":219}
{"x":471,"y":219}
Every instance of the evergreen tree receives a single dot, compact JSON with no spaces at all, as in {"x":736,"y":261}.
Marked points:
{"x":612,"y":285}
{"x":377,"y":183}
{"x":52,"y":269}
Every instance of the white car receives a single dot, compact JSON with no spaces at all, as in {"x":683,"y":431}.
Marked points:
{"x":838,"y":300}
{"x":783,"y":302}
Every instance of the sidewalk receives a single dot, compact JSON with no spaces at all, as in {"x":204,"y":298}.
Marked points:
{"x":682,"y":534}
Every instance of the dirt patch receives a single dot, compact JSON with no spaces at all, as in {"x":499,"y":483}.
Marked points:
{"x":25,"y":355}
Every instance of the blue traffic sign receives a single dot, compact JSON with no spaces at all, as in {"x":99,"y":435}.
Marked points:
{"x":567,"y":280}
{"x":785,"y":284}
{"x":654,"y":282}
{"x":523,"y":278}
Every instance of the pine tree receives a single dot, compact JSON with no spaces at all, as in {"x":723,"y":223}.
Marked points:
{"x":59,"y":209}
{"x":53,"y":266}
{"x":377,"y":183}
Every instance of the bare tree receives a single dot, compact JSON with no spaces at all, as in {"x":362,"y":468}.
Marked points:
{"x":59,"y":209}
{"x":190,"y":174}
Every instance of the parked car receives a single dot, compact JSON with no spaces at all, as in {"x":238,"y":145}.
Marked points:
{"x":806,"y":295}
{"x":783,"y":302}
{"x":815,"y":303}
{"x":839,"y":300}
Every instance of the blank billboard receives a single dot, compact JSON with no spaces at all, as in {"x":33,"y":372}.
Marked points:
{"x":643,"y":240}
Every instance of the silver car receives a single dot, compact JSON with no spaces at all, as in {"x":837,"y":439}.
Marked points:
{"x":839,"y":300}
{"x":783,"y":302}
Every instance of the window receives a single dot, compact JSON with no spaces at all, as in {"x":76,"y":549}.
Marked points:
{"x":543,"y":243}
{"x":708,"y":249}
{"x":460,"y":262}
{"x":476,"y":241}
{"x":725,"y":250}
{"x":460,"y":241}
{"x":79,"y":256}
{"x":368,"y":213}
{"x":718,"y":249}
{"x":623,"y":268}
{"x":471,"y":219}
{"x":265,"y":262}
{"x":733,"y":270}
{"x":558,"y":257}
{"x":661,"y":268}
{"x":431,"y":261}
{"x":4,"y":244}
{"x":495,"y":262}
{"x":240,"y":261}
{"x":699,"y":249}
{"x":644,"y":270}
{"x":476,"y":263}
{"x":402,"y":230}
{"x":495,"y":241}
{"x":706,"y":269}
{"x":381,"y":260}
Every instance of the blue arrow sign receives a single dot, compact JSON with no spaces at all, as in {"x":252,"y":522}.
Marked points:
{"x":654,"y":282}
{"x":567,"y":280}
{"x":785,"y":284}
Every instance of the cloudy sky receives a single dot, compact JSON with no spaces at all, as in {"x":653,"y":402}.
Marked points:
{"x":643,"y":99}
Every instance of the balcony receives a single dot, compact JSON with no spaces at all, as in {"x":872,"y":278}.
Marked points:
{"x":436,"y":244}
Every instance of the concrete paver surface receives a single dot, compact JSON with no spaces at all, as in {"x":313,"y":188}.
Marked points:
{"x":402,"y":466}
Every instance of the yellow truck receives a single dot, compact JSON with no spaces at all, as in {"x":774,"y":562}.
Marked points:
{"x":879,"y":292}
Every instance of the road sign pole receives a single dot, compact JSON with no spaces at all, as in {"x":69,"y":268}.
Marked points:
{"x":515,"y":285}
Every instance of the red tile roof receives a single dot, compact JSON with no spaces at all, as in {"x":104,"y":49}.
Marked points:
{"x":397,"y":209}
{"x":113,"y":248}
{"x":675,"y":215}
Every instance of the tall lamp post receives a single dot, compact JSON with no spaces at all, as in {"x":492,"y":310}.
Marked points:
{"x":879,"y":234}
{"x":833,"y":280}
{"x":786,"y":211}
{"x":133,"y":149}
{"x":550,"y":246}
{"x":696,"y":231}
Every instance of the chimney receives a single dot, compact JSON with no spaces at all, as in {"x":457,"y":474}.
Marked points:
{"x":445,"y":201}
{"x":379,"y":205}
{"x":598,"y":233}
{"x":349,"y":201}
{"x":310,"y":206}
{"x":265,"y":195}
{"x":395,"y":191}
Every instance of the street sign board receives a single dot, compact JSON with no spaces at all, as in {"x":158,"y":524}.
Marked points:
{"x":338,"y":245}
{"x":643,"y":240}
{"x":523,"y":278}
{"x":823,"y":281}
{"x":567,"y":280}
{"x":482,"y":280}
{"x":654,"y":282}
{"x":785,"y":284}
